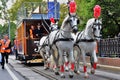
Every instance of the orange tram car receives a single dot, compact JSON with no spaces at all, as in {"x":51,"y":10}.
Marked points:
{"x":26,"y":43}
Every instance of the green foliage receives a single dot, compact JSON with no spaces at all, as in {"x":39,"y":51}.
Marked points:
{"x":12,"y":30}
{"x":63,"y":12}
{"x":3,"y":8}
{"x":4,"y":30}
{"x":110,"y":16}
{"x":85,"y":11}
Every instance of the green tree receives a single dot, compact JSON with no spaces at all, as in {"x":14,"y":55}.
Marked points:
{"x":4,"y":16}
{"x":4,"y":30}
{"x":85,"y":11}
{"x":110,"y":17}
{"x":63,"y":13}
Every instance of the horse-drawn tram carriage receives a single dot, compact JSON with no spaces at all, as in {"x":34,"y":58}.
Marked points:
{"x":33,"y":23}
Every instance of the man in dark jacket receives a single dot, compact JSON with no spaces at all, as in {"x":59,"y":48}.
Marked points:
{"x":39,"y":31}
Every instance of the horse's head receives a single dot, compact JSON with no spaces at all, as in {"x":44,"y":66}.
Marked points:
{"x":95,"y":26}
{"x":72,"y":21}
{"x":54,"y":26}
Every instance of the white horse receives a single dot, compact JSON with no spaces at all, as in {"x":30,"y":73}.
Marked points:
{"x":62,"y":41}
{"x":43,"y":47}
{"x":86,"y":43}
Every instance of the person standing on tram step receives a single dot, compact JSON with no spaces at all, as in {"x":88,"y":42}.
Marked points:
{"x":5,"y":49}
{"x":16,"y":48}
{"x":39,"y":31}
{"x":32,"y":32}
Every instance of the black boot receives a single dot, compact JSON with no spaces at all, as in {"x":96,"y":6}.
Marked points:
{"x":2,"y":67}
{"x":6,"y":61}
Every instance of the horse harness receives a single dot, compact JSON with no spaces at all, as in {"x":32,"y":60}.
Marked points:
{"x":94,"y":24}
{"x":57,"y":39}
{"x":45,"y":43}
{"x":83,"y":40}
{"x":88,"y":40}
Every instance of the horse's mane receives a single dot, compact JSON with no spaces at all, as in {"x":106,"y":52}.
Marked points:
{"x":90,"y":22}
{"x":64,"y":21}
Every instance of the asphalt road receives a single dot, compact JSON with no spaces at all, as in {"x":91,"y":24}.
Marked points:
{"x":4,"y":75}
{"x":9,"y":73}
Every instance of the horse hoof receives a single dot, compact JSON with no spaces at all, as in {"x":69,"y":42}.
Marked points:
{"x":66,"y":69}
{"x":76,"y":72}
{"x":86,"y":76}
{"x":56,"y":73}
{"x":45,"y":68}
{"x":92,"y":71}
{"x":71,"y":76}
{"x":62,"y":76}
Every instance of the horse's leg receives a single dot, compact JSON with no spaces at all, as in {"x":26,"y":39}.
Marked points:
{"x":44,"y":58}
{"x":48,"y":57}
{"x":72,"y":63}
{"x":77,"y":53}
{"x":52,"y":63}
{"x":84,"y":64}
{"x":66,"y":62}
{"x":55,"y":60}
{"x":93,"y":62}
{"x":61,"y":62}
